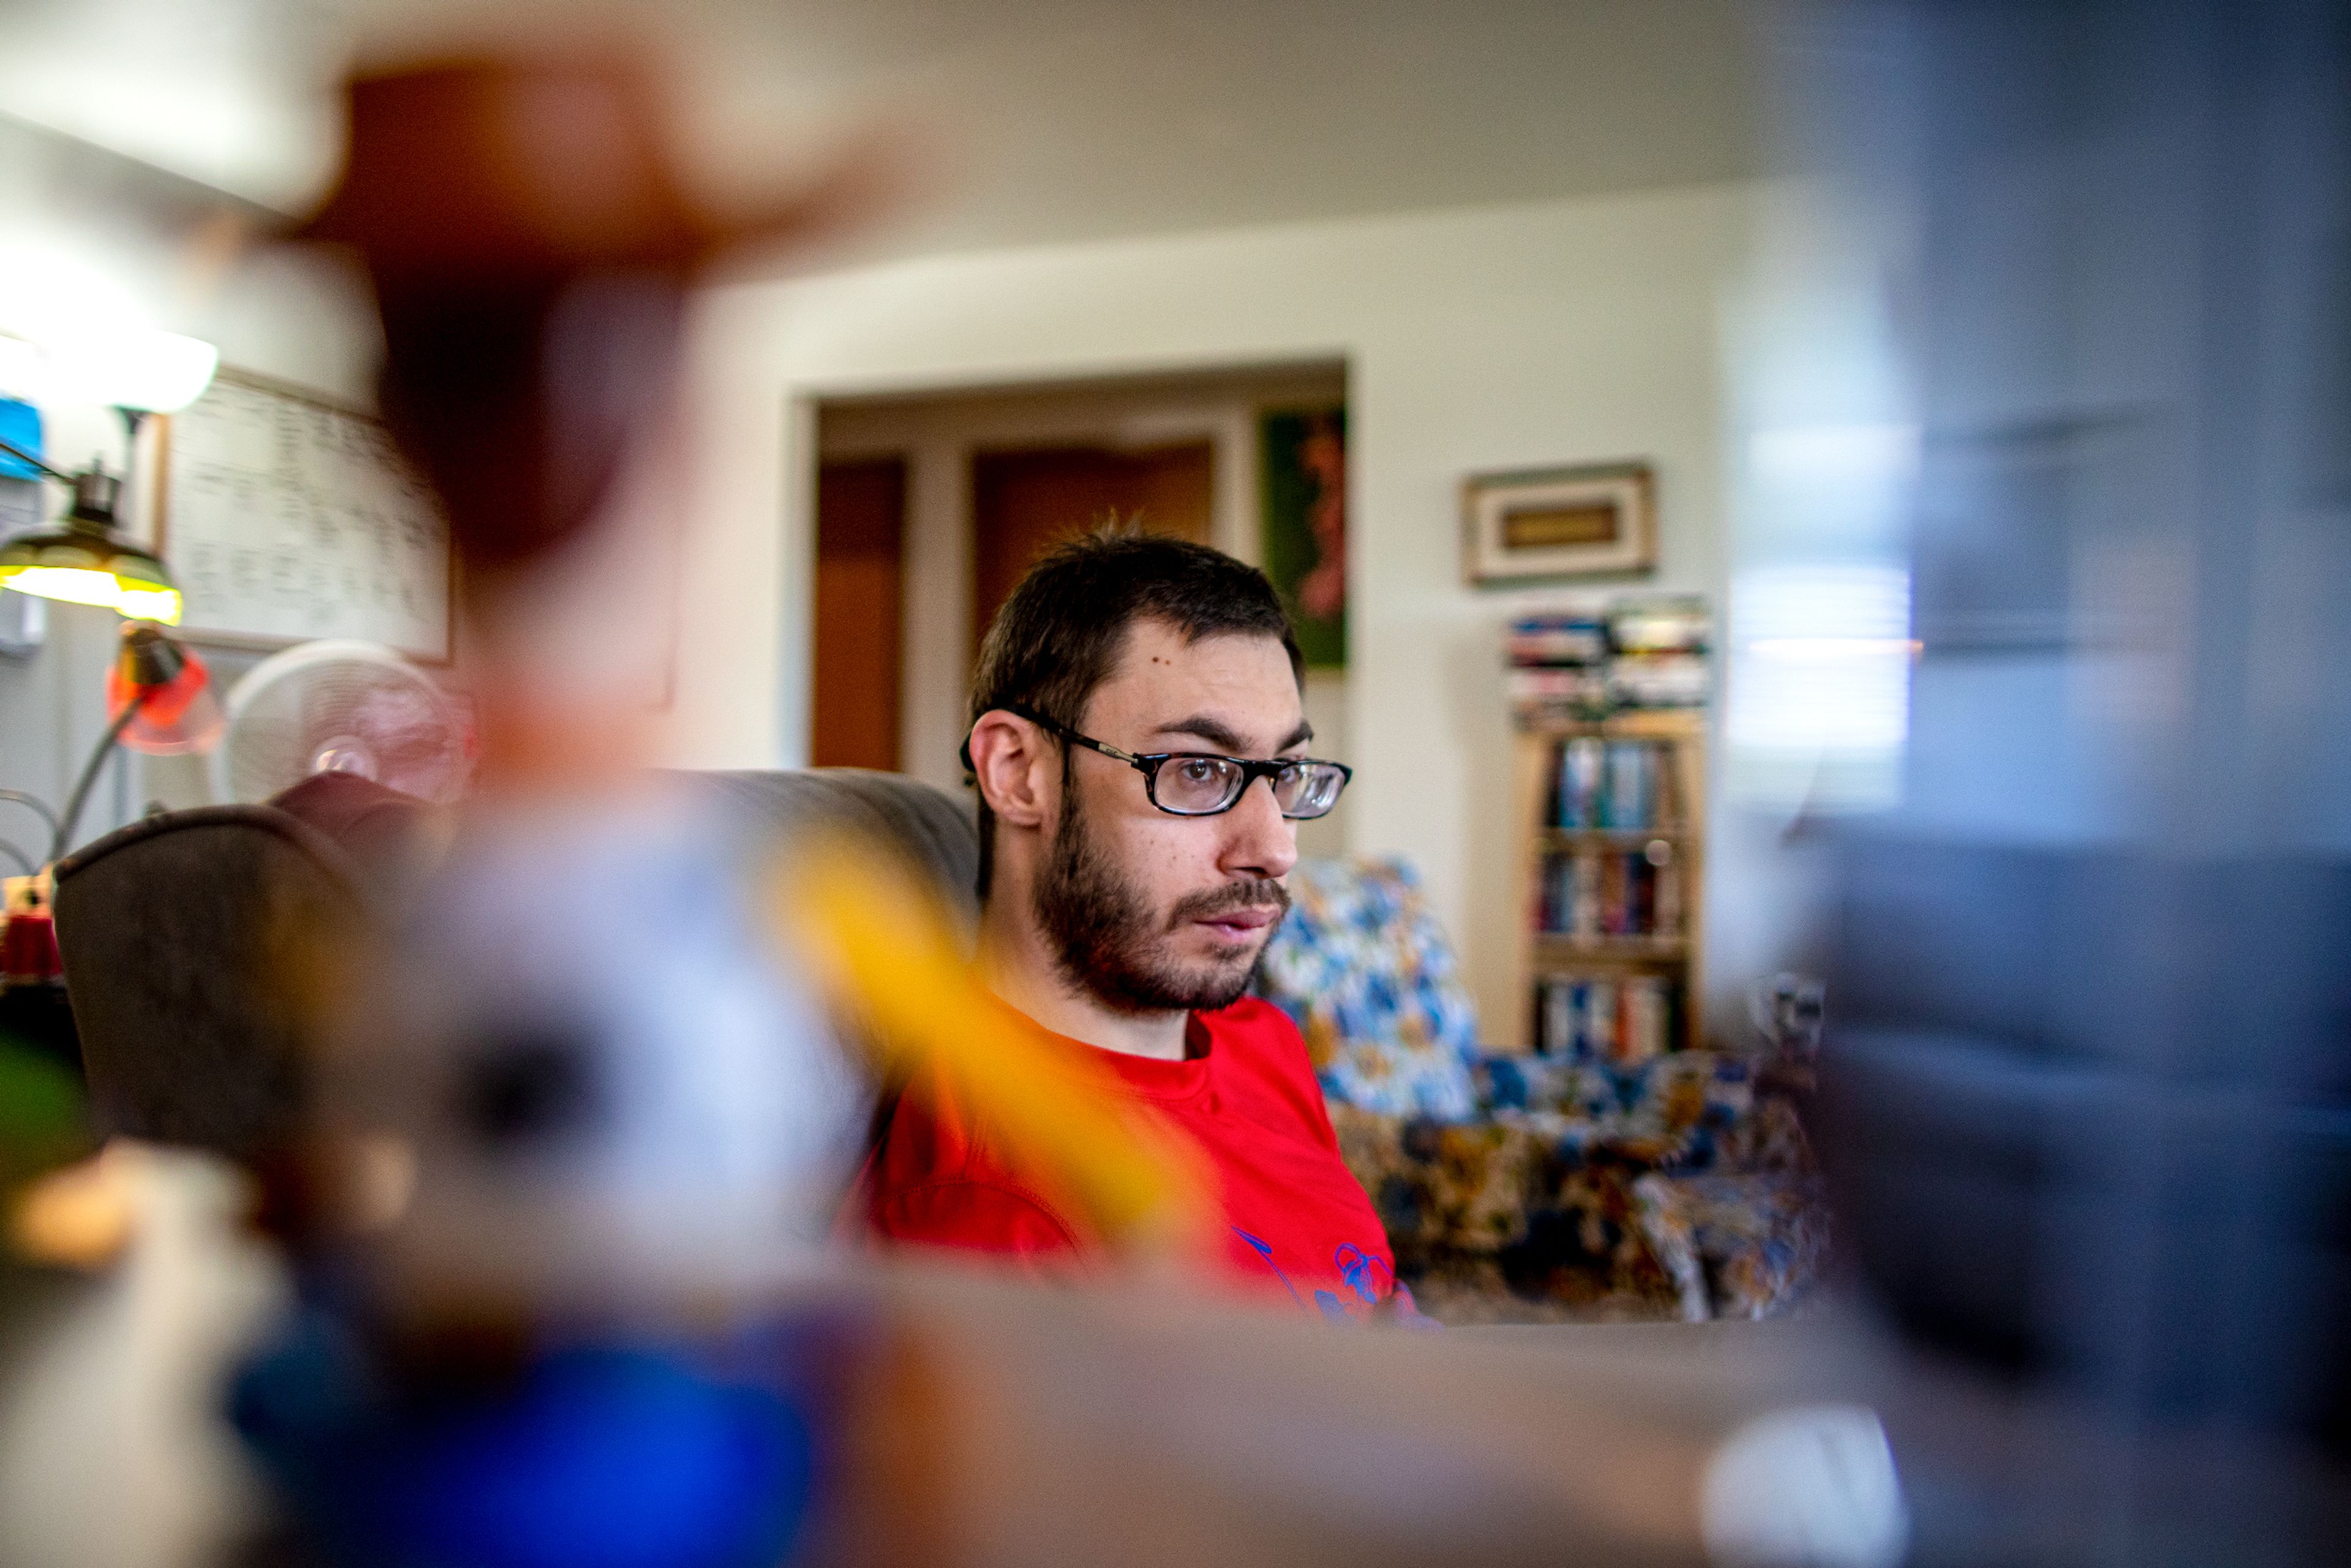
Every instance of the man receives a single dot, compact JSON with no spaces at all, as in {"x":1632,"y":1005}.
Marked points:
{"x":1138,"y":741}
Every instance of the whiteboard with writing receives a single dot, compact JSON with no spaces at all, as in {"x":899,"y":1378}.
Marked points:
{"x":285,"y":516}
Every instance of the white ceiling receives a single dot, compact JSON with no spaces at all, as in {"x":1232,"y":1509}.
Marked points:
{"x":1035,"y":121}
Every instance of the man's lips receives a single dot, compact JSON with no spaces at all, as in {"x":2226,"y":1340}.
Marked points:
{"x":1240,"y":921}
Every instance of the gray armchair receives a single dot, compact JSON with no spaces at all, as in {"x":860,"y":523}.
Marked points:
{"x":167,"y":926}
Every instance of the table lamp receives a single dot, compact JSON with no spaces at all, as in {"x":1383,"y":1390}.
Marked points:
{"x":86,"y":561}
{"x":159,"y":696}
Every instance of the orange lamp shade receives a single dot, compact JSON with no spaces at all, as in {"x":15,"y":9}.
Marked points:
{"x":180,"y":715}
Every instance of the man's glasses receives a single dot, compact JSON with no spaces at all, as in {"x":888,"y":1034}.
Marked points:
{"x":1202,"y":784}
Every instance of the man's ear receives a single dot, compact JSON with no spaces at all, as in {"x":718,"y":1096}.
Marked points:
{"x":1013,"y":760}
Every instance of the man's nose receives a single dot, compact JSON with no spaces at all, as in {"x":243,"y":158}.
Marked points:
{"x":1262,"y":841}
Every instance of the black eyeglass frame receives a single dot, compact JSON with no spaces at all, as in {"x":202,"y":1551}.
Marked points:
{"x":1148,"y":764}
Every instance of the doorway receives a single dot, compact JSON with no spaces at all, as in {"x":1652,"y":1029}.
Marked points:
{"x":1025,"y":501}
{"x":979,"y":481}
{"x":861,"y":530}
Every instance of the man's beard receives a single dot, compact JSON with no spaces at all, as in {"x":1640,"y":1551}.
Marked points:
{"x":1106,"y":942}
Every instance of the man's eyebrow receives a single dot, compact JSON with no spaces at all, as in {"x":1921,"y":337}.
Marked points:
{"x":1224,"y":737}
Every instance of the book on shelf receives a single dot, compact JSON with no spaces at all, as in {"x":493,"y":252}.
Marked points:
{"x":1593,"y":894}
{"x":1578,"y":772}
{"x":1620,"y":1021}
{"x":1665,"y":895}
{"x":1660,"y":680}
{"x":1581,"y":917}
{"x":1561,"y":637}
{"x":1646,"y":651}
{"x":1645,"y":1018}
{"x":1561,"y":692}
{"x":1559,"y":666}
{"x":1659,"y":623}
{"x":1630,"y":800}
{"x":1621,"y":786}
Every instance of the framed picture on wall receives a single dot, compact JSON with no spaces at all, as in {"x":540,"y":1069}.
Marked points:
{"x":1303,"y":483}
{"x":1598,"y":519}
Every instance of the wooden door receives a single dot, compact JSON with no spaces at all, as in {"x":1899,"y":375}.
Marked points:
{"x":861,"y":522}
{"x":1024,"y":502}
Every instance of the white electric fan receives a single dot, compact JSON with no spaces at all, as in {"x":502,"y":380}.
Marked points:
{"x":338,"y":705}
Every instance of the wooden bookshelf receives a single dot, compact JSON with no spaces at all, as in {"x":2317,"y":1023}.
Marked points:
{"x":1679,"y":735}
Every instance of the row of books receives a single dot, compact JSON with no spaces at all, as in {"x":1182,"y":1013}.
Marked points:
{"x":1645,"y":651}
{"x":1635,"y":681}
{"x":1659,"y":623}
{"x":1622,"y":1020}
{"x":1627,"y":785}
{"x":1591,"y":894}
{"x":1561,"y":637}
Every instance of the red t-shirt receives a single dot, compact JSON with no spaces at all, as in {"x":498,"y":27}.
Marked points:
{"x":1294,"y":1218}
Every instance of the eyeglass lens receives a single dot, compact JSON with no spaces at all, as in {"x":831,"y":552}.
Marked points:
{"x":1198,"y":786}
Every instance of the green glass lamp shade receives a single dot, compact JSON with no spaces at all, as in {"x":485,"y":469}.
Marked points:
{"x":84,"y":562}
{"x":88,"y":567}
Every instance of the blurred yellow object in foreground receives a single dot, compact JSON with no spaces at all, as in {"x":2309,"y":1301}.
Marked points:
{"x":878,"y":943}
{"x":78,"y":1218}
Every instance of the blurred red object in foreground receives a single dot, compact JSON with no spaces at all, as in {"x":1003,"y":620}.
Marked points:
{"x":530,"y":244}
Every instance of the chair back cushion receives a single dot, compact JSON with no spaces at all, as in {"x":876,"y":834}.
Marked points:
{"x":178,"y":935}
{"x":932,"y":828}
{"x":173,"y":930}
{"x":1363,"y":967}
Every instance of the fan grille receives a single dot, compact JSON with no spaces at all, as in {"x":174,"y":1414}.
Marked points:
{"x":360,"y":708}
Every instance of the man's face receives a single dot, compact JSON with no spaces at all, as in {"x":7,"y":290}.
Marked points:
{"x":1154,"y":913}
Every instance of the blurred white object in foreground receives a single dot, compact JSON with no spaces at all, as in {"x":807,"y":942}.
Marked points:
{"x":1813,"y":1487}
{"x":593,"y":1070}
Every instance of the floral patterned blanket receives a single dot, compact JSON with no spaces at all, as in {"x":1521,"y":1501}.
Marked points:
{"x":1531,"y":1186}
{"x":1674,"y":1191}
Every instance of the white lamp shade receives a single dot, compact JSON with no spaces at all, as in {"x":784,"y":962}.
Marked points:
{"x":161,"y":372}
{"x":23,"y":369}
{"x":155,"y":373}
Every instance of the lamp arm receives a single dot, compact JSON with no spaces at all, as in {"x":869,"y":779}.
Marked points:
{"x":81,"y":796}
{"x":21,"y":456}
{"x":35,"y":805}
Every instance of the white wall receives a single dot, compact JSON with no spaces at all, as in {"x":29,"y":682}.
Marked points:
{"x":141,"y":235}
{"x":1476,"y":339}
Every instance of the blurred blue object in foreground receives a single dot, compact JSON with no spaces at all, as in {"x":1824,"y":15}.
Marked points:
{"x":2088,"y":1057}
{"x":589,"y":1455}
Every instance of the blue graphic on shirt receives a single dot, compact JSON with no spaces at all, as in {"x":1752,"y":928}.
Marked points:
{"x":1357,"y":1269}
{"x":1266,"y":1252}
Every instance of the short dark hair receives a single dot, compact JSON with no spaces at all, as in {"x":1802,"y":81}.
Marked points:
{"x":1057,"y":637}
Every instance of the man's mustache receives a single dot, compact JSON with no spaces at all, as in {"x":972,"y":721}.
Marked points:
{"x":1259,"y":893}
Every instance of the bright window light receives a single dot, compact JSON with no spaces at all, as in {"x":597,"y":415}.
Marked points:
{"x":1835,"y":453}
{"x":1819,"y":701}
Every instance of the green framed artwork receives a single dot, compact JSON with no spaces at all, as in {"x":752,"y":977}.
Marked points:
{"x":1303,"y":481}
